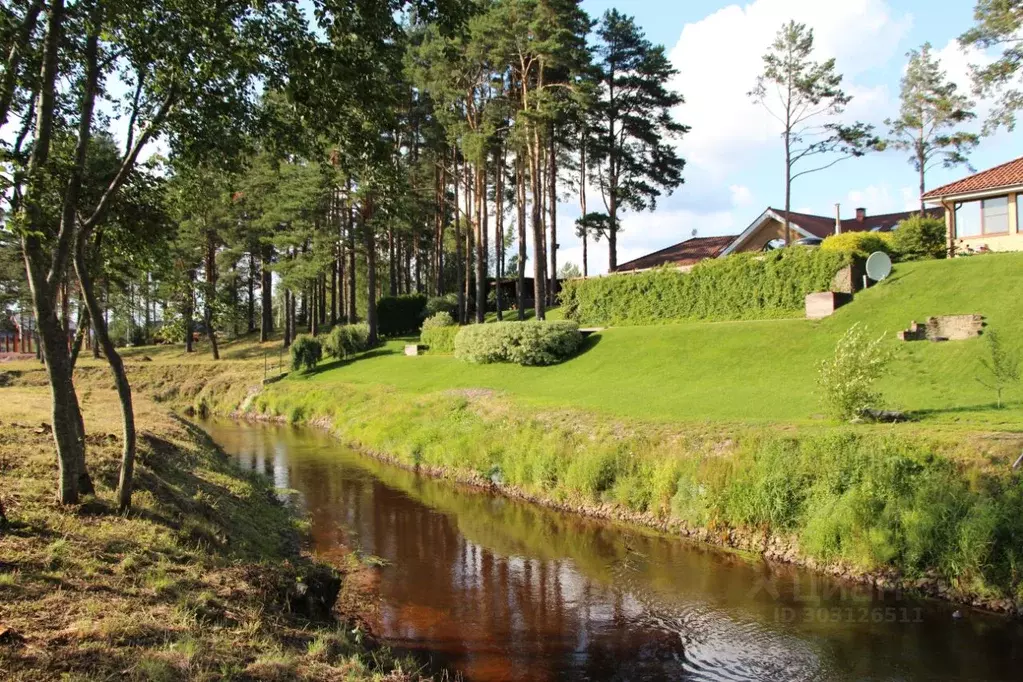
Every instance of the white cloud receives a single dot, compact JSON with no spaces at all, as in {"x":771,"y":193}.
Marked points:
{"x":741,"y":195}
{"x":720,"y":56}
{"x":879,"y":199}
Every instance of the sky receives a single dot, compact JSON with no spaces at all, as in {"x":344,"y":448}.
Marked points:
{"x":734,"y":154}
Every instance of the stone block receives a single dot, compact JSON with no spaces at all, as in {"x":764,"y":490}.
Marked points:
{"x":824,"y":303}
{"x":411,"y":350}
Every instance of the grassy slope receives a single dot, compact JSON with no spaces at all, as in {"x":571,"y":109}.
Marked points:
{"x":192,"y":584}
{"x":751,"y":371}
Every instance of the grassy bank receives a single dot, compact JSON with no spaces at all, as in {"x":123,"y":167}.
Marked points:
{"x":204,"y":579}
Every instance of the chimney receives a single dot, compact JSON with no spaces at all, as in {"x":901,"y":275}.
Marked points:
{"x":838,"y":218}
{"x":861,"y":215}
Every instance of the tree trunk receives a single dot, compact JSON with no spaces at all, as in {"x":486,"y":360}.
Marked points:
{"x":480,"y":232}
{"x":392,"y":272}
{"x":469,"y":227}
{"x":459,"y":262}
{"x":266,"y":327}
{"x":287,"y":318}
{"x":788,"y":187}
{"x":371,"y":263}
{"x":582,"y":197}
{"x":499,"y":230}
{"x":536,"y":182}
{"x":251,"y":285}
{"x":211,"y":291}
{"x":124,"y":484}
{"x":520,"y":201}
{"x":441,"y":208}
{"x":353,"y":311}
{"x":552,"y":165}
{"x":188,"y":312}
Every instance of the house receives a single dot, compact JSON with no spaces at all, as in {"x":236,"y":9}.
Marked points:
{"x":982,"y":211}
{"x":765,"y":233}
{"x":683,"y":255}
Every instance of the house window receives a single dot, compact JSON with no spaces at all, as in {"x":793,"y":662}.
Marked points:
{"x":996,"y":215}
{"x":968,"y":222}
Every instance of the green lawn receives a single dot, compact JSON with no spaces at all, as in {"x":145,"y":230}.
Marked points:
{"x":753,"y":371}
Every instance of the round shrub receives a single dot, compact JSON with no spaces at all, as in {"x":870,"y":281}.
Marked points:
{"x":438,"y":321}
{"x":860,"y":244}
{"x":920,"y":237}
{"x":524,"y":343}
{"x":347,"y":339}
{"x":306,"y":352}
{"x":442,"y":304}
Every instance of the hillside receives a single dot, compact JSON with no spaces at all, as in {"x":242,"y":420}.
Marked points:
{"x":752,"y":371}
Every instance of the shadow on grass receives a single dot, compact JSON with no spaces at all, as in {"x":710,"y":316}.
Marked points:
{"x":380,"y":351}
{"x":990,"y":408}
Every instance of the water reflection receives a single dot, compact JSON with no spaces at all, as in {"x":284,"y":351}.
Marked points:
{"x":506,"y":591}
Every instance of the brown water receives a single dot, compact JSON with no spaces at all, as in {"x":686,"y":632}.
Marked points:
{"x":503,"y":590}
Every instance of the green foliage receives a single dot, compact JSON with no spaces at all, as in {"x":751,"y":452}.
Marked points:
{"x":859,"y":244}
{"x":847,"y":380}
{"x":306,"y":352}
{"x":525,"y":343}
{"x":403,"y":314}
{"x":920,"y":237}
{"x":439,"y":331}
{"x":442,"y":304}
{"x":347,"y":339}
{"x":438,"y":321}
{"x":741,"y":286}
{"x":931,"y":110}
{"x":998,"y":25}
{"x":1001,"y":368}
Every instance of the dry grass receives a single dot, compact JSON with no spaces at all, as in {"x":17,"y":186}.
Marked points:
{"x":197,"y":582}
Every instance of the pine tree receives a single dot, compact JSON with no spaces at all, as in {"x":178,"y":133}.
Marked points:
{"x":998,"y":25}
{"x":930,"y":112}
{"x":632,"y":126}
{"x":806,"y":97}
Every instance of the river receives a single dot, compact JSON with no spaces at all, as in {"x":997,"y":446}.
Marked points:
{"x":504,"y":590}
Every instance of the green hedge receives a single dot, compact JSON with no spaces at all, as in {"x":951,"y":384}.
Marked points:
{"x":920,"y":238}
{"x":440,"y":339}
{"x":398,"y":315}
{"x":347,"y":339}
{"x":439,"y":333}
{"x":741,"y":286}
{"x":525,"y":343}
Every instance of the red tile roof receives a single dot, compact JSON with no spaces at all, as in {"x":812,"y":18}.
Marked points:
{"x":821,"y":226}
{"x":689,"y":252}
{"x":1007,"y":175}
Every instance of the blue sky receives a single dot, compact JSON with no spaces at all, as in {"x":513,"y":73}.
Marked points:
{"x":735,"y":163}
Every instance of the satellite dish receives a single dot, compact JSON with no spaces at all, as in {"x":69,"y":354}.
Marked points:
{"x":879,"y":266}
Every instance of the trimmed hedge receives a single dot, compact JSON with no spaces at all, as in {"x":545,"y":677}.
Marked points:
{"x":440,"y":339}
{"x":861,"y":244}
{"x":403,"y":314}
{"x":306,"y":352}
{"x":439,"y":333}
{"x":347,"y":339}
{"x":742,"y":286}
{"x":526,"y":343}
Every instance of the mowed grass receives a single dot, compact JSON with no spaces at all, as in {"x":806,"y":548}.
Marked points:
{"x":752,"y":371}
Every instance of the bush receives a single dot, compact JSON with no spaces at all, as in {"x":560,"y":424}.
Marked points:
{"x":442,"y":304}
{"x":860,"y":244}
{"x":438,"y":321}
{"x":347,"y":339}
{"x":440,"y":339}
{"x":920,"y":237}
{"x":847,"y":380}
{"x":439,"y":333}
{"x":306,"y":352}
{"x":525,"y":343}
{"x":403,"y":314}
{"x":741,"y":286}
